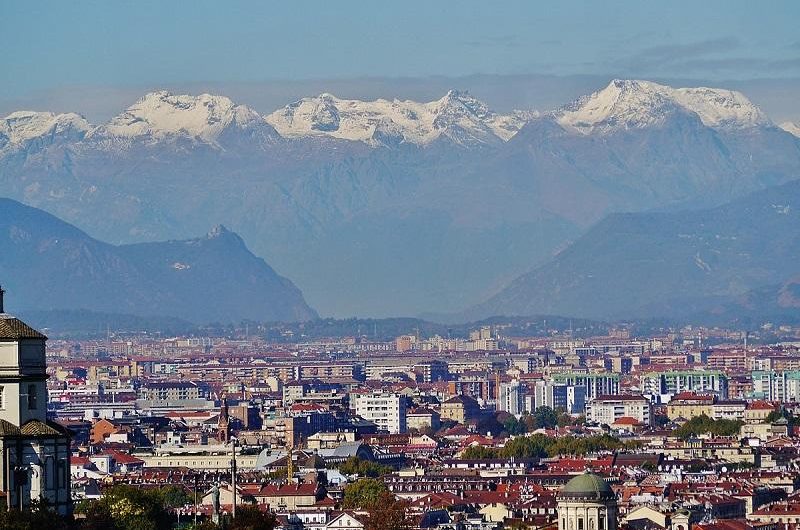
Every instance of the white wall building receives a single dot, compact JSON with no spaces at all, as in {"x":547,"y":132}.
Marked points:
{"x":570,"y":398}
{"x":511,"y":399}
{"x":608,"y":409}
{"x":387,"y":411}
{"x":34,"y":452}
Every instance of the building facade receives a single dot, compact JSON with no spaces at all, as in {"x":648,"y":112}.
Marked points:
{"x":387,"y":411}
{"x":587,"y":502}
{"x":34,"y":452}
{"x":609,"y":409}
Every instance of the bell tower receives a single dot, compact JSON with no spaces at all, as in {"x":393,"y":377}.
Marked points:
{"x":224,"y":422}
{"x":23,"y":370}
{"x":34,"y":452}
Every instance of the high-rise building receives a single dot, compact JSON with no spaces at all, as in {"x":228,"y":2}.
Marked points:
{"x":34,"y":452}
{"x":774,"y":385}
{"x":677,"y":381}
{"x":511,"y":398}
{"x":596,"y":384}
{"x":387,"y":411}
{"x":608,"y":409}
{"x":569,"y":398}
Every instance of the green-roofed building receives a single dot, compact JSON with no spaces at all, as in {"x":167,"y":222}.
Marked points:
{"x":587,"y":502}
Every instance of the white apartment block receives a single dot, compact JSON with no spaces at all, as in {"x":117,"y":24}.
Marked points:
{"x":608,"y":409}
{"x":511,"y":399}
{"x":387,"y":411}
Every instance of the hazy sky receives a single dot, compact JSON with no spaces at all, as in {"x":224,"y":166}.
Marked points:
{"x":51,"y":46}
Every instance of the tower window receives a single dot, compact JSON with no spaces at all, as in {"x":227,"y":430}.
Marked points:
{"x":580,"y":523}
{"x":601,"y":522}
{"x":32,"y":398}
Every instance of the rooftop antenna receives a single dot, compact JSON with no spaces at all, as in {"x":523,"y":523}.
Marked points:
{"x":2,"y":292}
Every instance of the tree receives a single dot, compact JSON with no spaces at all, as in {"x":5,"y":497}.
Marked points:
{"x":660,"y":420}
{"x":545,"y":418}
{"x":38,"y":516}
{"x":389,"y":513}
{"x":780,"y":414}
{"x":125,"y":507}
{"x":564,"y":419}
{"x":364,"y":468}
{"x":526,"y":447}
{"x":703,"y":424}
{"x":175,"y":496}
{"x":479,"y":452}
{"x":514,"y":427}
{"x":364,"y":493}
{"x":251,"y":518}
{"x":540,"y":445}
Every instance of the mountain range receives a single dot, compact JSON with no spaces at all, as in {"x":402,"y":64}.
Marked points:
{"x":47,"y":264}
{"x":741,"y":258}
{"x":394,"y":207}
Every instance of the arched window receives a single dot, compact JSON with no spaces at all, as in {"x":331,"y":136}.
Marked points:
{"x":32,"y":398}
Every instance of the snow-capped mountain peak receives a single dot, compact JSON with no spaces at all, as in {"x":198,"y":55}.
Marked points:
{"x":162,"y":114}
{"x":791,"y":127}
{"x":22,"y":127}
{"x":457,"y":115}
{"x":721,"y":108}
{"x":630,"y":104}
{"x":623,"y":104}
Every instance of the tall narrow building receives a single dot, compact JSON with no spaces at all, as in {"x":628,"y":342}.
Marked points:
{"x":34,"y":452}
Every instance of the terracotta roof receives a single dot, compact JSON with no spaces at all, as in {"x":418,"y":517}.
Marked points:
{"x":626,"y":420}
{"x":40,"y":428}
{"x":75,"y":460}
{"x":123,"y":458}
{"x":8,"y":429}
{"x":14,"y":329}
{"x":761,"y":405}
{"x":287,"y":490}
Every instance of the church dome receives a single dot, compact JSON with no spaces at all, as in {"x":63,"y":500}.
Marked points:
{"x":587,"y":486}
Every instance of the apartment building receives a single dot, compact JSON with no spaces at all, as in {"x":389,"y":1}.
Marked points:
{"x":609,"y":409}
{"x":387,"y":411}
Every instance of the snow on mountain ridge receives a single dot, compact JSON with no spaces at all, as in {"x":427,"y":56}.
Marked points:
{"x":719,"y":107}
{"x":458,"y":115}
{"x":23,"y":126}
{"x":161,"y":114}
{"x":791,"y":128}
{"x":631,"y":104}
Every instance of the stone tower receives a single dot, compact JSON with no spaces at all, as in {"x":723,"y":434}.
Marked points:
{"x":34,"y":451}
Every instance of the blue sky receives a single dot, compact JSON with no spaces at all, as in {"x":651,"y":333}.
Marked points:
{"x":47,"y":46}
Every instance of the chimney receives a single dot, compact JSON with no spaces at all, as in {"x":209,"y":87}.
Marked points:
{"x":2,"y":292}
